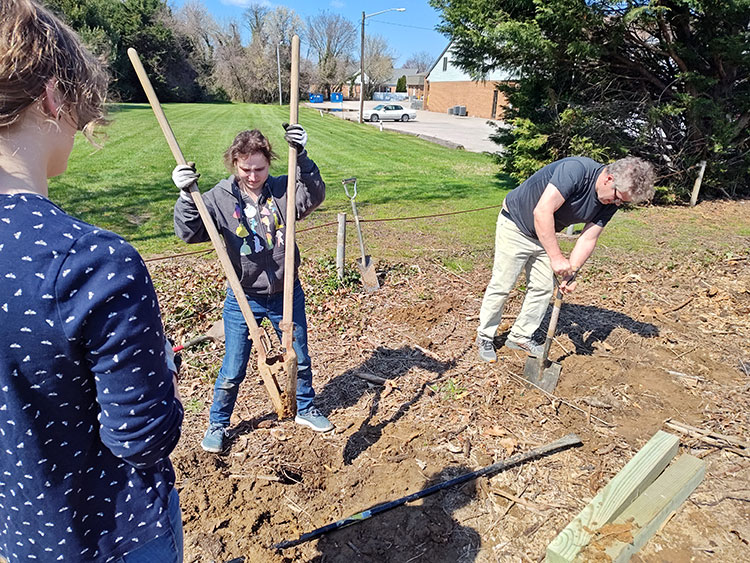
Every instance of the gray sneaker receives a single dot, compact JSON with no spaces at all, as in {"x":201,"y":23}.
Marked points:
{"x":526,"y":345}
{"x":313,"y":418}
{"x":213,"y":440}
{"x":486,"y":350}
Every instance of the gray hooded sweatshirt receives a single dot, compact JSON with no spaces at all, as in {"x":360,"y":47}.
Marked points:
{"x":254,"y":233}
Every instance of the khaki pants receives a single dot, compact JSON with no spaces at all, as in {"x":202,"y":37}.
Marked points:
{"x":514,"y":252}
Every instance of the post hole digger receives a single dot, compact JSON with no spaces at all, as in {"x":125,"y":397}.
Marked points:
{"x":272,"y":368}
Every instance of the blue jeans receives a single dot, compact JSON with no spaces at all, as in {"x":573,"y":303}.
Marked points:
{"x":238,"y":346}
{"x":166,"y":548}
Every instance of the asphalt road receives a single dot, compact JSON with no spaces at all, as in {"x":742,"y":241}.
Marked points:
{"x":471,"y":133}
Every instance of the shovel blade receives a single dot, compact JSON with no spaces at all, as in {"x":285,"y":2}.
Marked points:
{"x":216,"y":332}
{"x":369,"y":276}
{"x":544,"y":376}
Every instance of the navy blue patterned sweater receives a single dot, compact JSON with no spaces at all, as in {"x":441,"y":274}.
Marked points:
{"x":88,"y":415}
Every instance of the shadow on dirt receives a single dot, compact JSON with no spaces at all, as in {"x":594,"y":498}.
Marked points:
{"x":586,"y":325}
{"x":424,"y":532}
{"x":389,"y":364}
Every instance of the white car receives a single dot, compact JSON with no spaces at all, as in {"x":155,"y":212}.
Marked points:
{"x":389,"y":111}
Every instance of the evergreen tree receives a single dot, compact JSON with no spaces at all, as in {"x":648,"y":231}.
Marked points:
{"x":661,"y":79}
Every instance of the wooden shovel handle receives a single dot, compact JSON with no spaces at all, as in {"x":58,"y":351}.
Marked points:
{"x":263,"y":344}
{"x":291,"y":206}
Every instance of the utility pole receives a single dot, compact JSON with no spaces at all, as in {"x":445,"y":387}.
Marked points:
{"x":362,"y":59}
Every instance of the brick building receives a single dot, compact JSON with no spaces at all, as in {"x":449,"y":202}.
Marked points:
{"x":446,"y":86}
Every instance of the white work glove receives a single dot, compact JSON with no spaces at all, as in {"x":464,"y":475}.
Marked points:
{"x":296,"y":136}
{"x":184,"y":176}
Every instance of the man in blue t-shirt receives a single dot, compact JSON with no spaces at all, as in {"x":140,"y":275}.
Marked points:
{"x":568,"y":191}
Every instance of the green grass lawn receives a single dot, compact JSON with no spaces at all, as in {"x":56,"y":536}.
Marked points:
{"x":126,"y":186}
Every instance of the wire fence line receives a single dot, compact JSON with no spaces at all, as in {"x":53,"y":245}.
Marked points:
{"x":331,"y":223}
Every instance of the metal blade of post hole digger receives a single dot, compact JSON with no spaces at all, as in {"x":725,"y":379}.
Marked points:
{"x":268,"y":366}
{"x":365,"y":265}
{"x":541,"y":371}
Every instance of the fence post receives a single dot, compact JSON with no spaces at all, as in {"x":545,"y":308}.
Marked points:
{"x":697,"y":185}
{"x":341,"y":246}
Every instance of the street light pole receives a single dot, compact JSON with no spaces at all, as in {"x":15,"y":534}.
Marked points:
{"x":278,"y":64}
{"x":362,"y":59}
{"x":362,"y":71}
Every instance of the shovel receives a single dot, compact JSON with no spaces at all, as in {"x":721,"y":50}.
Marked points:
{"x":365,"y":265}
{"x":215,"y":333}
{"x":269,"y":366}
{"x":543,"y":372}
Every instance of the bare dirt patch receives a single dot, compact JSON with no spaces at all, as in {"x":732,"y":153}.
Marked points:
{"x":639,"y":343}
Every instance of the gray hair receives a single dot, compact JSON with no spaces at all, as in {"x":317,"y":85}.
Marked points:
{"x":633,"y":176}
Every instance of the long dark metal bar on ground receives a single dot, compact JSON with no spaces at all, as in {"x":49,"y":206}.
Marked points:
{"x":565,"y":442}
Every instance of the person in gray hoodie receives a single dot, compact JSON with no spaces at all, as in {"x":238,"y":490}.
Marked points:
{"x":249,"y":211}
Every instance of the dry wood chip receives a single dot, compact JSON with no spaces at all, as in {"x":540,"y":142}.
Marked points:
{"x":495,"y":431}
{"x":596,"y":403}
{"x":453,"y":448}
{"x":279,"y":434}
{"x":606,"y":449}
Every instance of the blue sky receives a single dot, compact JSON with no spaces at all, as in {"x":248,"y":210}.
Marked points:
{"x":406,"y":32}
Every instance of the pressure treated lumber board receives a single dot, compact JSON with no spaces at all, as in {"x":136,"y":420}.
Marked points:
{"x":607,"y":505}
{"x":648,"y":512}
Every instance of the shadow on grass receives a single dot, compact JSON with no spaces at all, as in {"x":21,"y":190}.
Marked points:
{"x":133,"y":210}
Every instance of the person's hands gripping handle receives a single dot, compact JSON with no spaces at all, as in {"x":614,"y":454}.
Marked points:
{"x":568,"y":283}
{"x":296,"y":136}
{"x":184,"y":176}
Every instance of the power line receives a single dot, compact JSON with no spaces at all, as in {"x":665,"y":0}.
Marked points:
{"x":403,"y":25}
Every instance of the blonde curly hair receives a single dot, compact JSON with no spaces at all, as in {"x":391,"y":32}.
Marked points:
{"x":36,"y":47}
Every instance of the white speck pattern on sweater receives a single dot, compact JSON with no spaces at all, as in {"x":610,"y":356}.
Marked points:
{"x":88,"y":415}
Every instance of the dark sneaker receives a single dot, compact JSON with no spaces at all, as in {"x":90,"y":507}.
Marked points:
{"x":486,"y":350}
{"x":213,"y":440}
{"x":526,"y":345}
{"x":312,"y":418}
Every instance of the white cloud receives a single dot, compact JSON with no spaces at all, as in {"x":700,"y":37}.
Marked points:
{"x":337,"y":4}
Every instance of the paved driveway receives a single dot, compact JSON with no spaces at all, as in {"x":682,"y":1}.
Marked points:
{"x":472,"y":133}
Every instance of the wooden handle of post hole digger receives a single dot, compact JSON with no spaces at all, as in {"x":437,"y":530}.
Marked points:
{"x":287,"y":321}
{"x":263,"y":345}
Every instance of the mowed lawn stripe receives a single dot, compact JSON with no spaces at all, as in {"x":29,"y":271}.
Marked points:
{"x":126,"y":185}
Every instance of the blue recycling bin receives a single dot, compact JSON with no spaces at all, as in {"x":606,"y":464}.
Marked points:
{"x":337,"y":97}
{"x":316,"y":98}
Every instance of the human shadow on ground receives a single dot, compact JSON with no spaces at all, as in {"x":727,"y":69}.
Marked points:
{"x":424,"y":532}
{"x":586,"y":325}
{"x":390,"y":364}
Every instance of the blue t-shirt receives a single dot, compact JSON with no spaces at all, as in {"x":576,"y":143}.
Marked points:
{"x":88,"y":415}
{"x":575,"y":178}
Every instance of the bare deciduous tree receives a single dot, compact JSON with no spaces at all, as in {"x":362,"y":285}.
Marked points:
{"x":230,"y":70}
{"x":193,"y":22}
{"x":421,"y":61}
{"x":332,"y":38}
{"x":378,"y":63}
